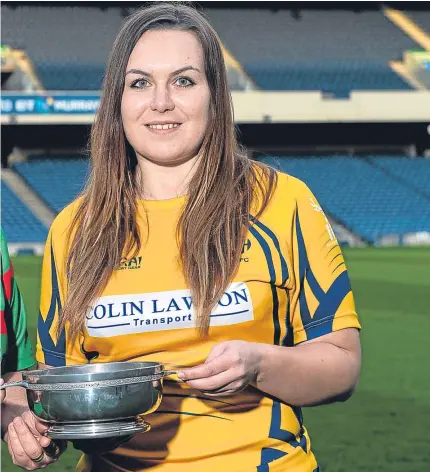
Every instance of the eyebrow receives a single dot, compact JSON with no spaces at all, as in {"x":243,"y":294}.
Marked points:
{"x":147,"y":74}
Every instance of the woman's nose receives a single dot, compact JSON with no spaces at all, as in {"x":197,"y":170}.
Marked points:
{"x":161,"y":100}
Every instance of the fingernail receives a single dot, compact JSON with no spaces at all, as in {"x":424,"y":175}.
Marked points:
{"x":181,"y":375}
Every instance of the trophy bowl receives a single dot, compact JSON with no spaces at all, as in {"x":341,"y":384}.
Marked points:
{"x":94,"y":401}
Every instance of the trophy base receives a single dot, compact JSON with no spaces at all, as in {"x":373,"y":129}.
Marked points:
{"x":111,"y":429}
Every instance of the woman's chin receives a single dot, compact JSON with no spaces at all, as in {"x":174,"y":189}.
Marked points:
{"x":167,"y":159}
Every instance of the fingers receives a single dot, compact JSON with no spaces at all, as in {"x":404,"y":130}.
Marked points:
{"x":25,"y":449}
{"x":216,"y":351}
{"x":208,"y":369}
{"x":9,"y":446}
{"x":36,"y":428}
{"x":213,"y":383}
{"x":19,"y":456}
{"x":215,"y":377}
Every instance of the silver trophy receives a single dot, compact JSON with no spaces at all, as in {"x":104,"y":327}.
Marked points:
{"x":94,"y":401}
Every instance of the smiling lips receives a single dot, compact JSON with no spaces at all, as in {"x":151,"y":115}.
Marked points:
{"x":162,"y":126}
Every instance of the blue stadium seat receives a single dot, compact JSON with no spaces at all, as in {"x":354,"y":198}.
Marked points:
{"x":336,"y":77}
{"x":57,"y":180}
{"x":69,"y":44}
{"x":18,"y":222}
{"x":280,"y":50}
{"x":358,"y":193}
{"x":70,"y":75}
{"x":414,"y":173}
{"x":334,"y":51}
{"x":362,"y":197}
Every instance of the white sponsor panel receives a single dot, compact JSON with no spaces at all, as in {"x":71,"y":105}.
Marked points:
{"x":159,"y":311}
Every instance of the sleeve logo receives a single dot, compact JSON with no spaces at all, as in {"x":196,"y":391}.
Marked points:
{"x":328,"y":227}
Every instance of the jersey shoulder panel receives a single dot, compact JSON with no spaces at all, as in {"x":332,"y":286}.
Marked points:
{"x":289,"y":190}
{"x":64,"y":219}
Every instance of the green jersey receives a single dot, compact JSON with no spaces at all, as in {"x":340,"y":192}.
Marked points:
{"x":16,"y":349}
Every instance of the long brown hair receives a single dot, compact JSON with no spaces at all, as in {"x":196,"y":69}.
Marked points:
{"x":212,"y":229}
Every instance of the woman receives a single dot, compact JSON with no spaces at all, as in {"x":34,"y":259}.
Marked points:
{"x":188,"y":253}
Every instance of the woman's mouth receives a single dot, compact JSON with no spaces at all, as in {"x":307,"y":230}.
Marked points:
{"x":163,"y":128}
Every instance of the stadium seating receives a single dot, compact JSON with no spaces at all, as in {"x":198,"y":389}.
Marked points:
{"x":319,"y":50}
{"x":421,"y":18}
{"x":335,"y":77}
{"x":68,"y":45}
{"x":361,"y":196}
{"x":18,"y":222}
{"x":414,"y":173}
{"x":372,"y":196}
{"x":57,"y":180}
{"x":70,"y":75}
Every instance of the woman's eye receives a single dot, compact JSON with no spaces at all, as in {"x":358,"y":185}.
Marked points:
{"x":184,"y":82}
{"x":139,"y":83}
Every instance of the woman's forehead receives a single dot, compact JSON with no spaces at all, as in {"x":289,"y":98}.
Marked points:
{"x":164,"y":49}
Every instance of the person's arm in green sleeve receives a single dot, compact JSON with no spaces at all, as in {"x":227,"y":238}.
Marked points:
{"x":20,"y":351}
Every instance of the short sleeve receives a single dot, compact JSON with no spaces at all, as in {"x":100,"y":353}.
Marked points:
{"x":52,"y":348}
{"x":19,"y":351}
{"x":320,"y":296}
{"x":21,"y":348}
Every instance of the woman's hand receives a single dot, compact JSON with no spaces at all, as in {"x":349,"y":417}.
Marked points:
{"x":27,"y":444}
{"x":230,"y":367}
{"x":2,"y":392}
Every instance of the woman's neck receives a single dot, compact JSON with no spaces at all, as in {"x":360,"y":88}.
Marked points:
{"x":158,"y":182}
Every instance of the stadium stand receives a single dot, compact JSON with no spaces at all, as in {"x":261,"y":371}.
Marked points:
{"x":58,"y":179}
{"x":364,"y":198}
{"x":415,"y":173}
{"x":320,"y":50}
{"x":421,"y":18}
{"x":18,"y":222}
{"x":336,"y":77}
{"x":368,"y":195}
{"x":70,"y":76}
{"x":334,"y":51}
{"x":68,"y":45}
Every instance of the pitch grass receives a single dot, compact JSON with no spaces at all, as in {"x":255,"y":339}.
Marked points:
{"x":385,"y":426}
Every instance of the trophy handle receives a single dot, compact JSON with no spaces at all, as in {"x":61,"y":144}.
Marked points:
{"x":20,"y":383}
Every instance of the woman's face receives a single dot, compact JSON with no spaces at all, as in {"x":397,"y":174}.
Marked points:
{"x":165,"y":102}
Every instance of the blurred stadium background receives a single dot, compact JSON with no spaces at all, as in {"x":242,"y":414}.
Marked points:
{"x":335,"y":93}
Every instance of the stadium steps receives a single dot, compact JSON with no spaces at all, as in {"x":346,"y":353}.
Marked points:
{"x":25,"y":233}
{"x":238,"y":79}
{"x":28,"y":196}
{"x":402,"y":71}
{"x":25,"y":64}
{"x":58,"y":180}
{"x":408,"y":26}
{"x":417,"y":34}
{"x":342,"y":228}
{"x":344,"y":235}
{"x":420,"y":18}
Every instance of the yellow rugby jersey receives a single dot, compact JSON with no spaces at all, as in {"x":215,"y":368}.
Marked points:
{"x":292,"y":286}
